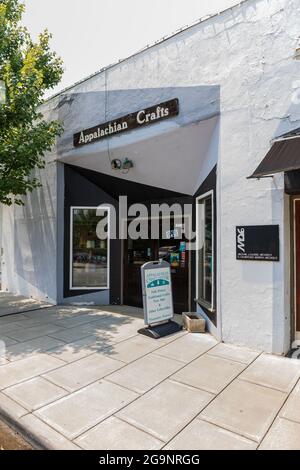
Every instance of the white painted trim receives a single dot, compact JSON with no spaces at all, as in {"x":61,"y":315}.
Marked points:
{"x":203,"y":304}
{"x":281,"y":139}
{"x":107,"y":287}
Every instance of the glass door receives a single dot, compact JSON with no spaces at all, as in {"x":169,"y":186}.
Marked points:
{"x":136,"y":253}
{"x":173,"y":249}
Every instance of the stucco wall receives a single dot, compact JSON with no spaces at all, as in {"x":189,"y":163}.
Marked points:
{"x":29,"y":242}
{"x":29,"y":237}
{"x":257,"y":104}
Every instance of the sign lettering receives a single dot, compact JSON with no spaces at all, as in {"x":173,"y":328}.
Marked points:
{"x":132,"y":121}
{"x":157,"y":292}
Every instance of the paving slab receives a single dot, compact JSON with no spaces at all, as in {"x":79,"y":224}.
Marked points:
{"x":209,"y":373}
{"x":19,"y":351}
{"x":200,"y":435}
{"x":245,"y":408}
{"x":280,"y":373}
{"x":26,"y":334}
{"x":283,"y":435}
{"x":19,"y":371}
{"x":43,"y":435}
{"x":7,"y":327}
{"x":170,"y":339}
{"x":11,"y":304}
{"x":124,"y":310}
{"x":234,"y":353}
{"x":70,"y":335}
{"x":35,"y":393}
{"x":143,"y":374}
{"x":83,"y":372}
{"x":188,"y":347}
{"x":166,"y":409}
{"x":12,"y":319}
{"x":10,"y":408}
{"x":56,"y":311}
{"x":31,"y":322}
{"x":78,"y":412}
{"x":117,"y":331}
{"x":3,"y":359}
{"x":7,"y":341}
{"x":71,"y":352}
{"x":132,"y":349}
{"x":114,"y":434}
{"x":78,"y":320}
{"x":291,"y":409}
{"x":112,"y":323}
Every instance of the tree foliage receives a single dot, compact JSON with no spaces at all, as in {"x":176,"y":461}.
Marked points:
{"x":28,"y":69}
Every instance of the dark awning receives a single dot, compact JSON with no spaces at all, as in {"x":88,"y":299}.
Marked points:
{"x":284,"y":155}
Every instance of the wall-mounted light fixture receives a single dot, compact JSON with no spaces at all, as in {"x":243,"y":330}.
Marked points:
{"x":116,"y":164}
{"x":123,"y":165}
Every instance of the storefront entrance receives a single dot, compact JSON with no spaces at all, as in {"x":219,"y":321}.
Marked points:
{"x":297,"y":266}
{"x":173,"y":250}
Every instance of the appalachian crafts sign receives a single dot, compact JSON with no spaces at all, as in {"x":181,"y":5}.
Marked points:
{"x":135,"y":120}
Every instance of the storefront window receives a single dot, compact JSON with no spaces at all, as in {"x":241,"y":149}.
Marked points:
{"x":205,"y":251}
{"x":89,"y":254}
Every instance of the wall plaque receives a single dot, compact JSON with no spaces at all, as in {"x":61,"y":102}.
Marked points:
{"x":257,"y":243}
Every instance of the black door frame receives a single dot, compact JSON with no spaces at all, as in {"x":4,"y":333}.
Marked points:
{"x":124,"y":261}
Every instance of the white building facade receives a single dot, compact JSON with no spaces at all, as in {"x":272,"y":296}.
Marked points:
{"x":236,"y":80}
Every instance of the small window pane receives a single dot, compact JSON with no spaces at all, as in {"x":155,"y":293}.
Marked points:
{"x":205,"y":252}
{"x":90,"y":254}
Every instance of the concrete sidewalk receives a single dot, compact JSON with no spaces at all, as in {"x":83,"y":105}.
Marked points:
{"x":82,"y":378}
{"x":11,"y":304}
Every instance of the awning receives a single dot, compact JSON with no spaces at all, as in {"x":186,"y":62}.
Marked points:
{"x":284,"y":155}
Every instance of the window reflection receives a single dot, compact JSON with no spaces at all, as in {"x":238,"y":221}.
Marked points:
{"x":205,"y":252}
{"x":90,"y":254}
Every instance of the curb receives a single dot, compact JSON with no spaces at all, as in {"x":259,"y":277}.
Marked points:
{"x":28,"y":436}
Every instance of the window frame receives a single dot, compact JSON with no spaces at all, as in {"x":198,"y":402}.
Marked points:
{"x":94,"y":288}
{"x":203,"y":303}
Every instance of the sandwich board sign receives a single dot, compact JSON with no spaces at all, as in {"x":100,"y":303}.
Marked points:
{"x":158,"y":299}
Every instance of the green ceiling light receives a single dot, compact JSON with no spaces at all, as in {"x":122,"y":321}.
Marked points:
{"x":127,"y":164}
{"x":2,"y":92}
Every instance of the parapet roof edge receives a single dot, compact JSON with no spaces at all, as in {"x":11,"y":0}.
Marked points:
{"x":149,"y":46}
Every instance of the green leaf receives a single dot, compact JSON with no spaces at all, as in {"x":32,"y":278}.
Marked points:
{"x":28,"y":69}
